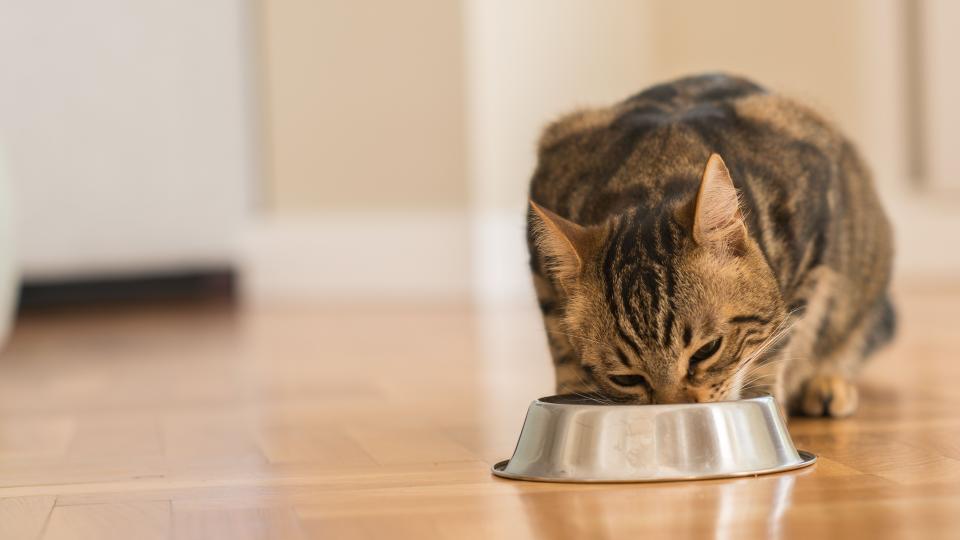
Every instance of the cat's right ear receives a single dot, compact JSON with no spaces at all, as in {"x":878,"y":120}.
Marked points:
{"x":717,"y":219}
{"x":565,"y":245}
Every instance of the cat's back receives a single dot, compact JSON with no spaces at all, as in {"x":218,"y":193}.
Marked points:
{"x":650,"y":149}
{"x":687,"y":99}
{"x":807,"y":194}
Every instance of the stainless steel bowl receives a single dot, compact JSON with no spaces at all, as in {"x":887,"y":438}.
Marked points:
{"x":573,"y":439}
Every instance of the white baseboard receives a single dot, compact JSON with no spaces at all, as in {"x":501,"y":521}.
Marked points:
{"x":358,"y":257}
{"x":926,"y":231}
{"x":365,"y":257}
{"x":448,"y":256}
{"x":501,"y":262}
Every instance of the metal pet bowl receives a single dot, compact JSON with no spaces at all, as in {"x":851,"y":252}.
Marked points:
{"x":573,"y":439}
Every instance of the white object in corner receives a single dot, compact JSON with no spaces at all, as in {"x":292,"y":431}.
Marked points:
{"x":128,"y":128}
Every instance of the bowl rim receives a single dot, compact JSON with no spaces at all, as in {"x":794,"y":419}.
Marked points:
{"x":582,"y":400}
{"x":806,"y":459}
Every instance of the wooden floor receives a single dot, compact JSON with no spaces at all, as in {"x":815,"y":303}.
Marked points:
{"x":210,"y":422}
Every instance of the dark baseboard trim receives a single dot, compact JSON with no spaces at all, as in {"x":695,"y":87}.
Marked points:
{"x":203,"y":285}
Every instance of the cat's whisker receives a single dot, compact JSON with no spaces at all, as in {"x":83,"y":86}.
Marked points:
{"x":570,"y":389}
{"x":778,"y":333}
{"x":597,"y":394}
{"x":754,"y":383}
{"x":590,"y":398}
{"x":754,"y":378}
{"x":759,"y":380}
{"x":749,"y":369}
{"x":746,"y":368}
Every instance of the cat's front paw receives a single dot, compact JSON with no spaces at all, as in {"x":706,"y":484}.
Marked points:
{"x":829,"y":395}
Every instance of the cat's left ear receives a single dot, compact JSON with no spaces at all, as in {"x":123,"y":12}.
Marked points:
{"x":718,"y":221}
{"x":564,"y":244}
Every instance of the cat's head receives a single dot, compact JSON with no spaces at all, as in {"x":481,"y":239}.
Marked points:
{"x":665,"y":306}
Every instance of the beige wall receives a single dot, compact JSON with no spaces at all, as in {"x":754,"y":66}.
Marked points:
{"x":844,"y":58}
{"x":432,"y":105}
{"x":527,"y":63}
{"x":939,"y":109}
{"x":372,"y":105}
{"x":531,"y":61}
{"x":364,"y":105}
{"x":534,"y":60}
{"x":806,"y":49}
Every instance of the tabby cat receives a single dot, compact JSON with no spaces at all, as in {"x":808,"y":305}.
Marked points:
{"x":708,"y":240}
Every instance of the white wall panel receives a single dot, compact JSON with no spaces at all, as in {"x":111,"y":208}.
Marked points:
{"x":126,"y":126}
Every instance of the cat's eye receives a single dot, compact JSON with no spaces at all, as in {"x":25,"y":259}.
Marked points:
{"x":628,"y":380}
{"x":705,"y":352}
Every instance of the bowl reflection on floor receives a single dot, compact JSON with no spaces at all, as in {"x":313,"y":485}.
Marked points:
{"x":573,"y":439}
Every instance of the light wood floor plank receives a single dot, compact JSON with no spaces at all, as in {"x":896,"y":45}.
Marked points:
{"x":238,"y":523}
{"x":121,"y":521}
{"x":24,"y":517}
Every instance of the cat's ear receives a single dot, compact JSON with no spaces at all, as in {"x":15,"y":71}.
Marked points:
{"x":717,"y":219}
{"x":565,"y":245}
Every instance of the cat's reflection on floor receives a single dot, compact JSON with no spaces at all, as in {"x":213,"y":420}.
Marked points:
{"x":723,"y":509}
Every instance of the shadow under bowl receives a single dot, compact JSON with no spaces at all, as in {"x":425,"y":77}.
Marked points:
{"x":569,"y":438}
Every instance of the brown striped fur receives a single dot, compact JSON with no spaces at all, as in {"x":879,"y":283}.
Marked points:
{"x":647,"y":248}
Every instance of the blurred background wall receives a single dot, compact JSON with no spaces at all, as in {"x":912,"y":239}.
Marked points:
{"x":363,"y":107}
{"x":368,"y":151}
{"x":367,"y":95}
{"x":127,"y":128}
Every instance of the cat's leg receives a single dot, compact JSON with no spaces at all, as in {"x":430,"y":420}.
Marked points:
{"x":806,"y":370}
{"x":883,"y":327}
{"x":829,"y":394}
{"x":570,"y":376}
{"x":829,"y":388}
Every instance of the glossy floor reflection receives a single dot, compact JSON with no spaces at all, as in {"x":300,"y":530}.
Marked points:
{"x":731,"y":509}
{"x":372,"y":422}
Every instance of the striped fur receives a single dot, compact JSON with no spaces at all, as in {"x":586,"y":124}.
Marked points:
{"x":798,"y":303}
